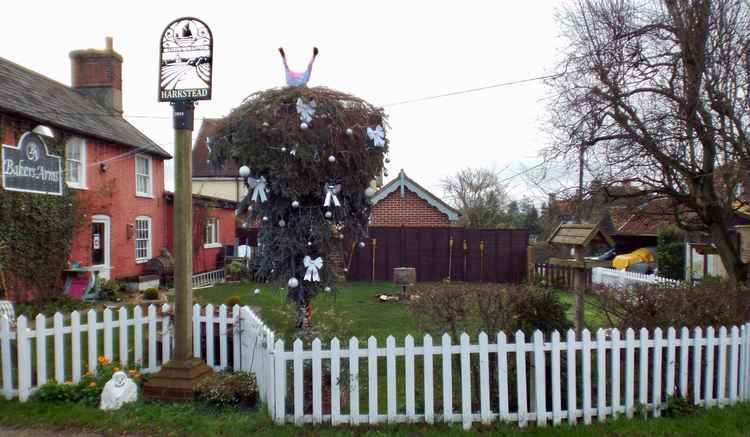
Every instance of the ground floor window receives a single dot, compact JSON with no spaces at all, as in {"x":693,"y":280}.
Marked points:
{"x":142,"y":239}
{"x":212,"y":232}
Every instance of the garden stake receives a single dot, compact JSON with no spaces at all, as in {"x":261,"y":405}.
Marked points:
{"x":466,"y":252}
{"x":450,"y":257}
{"x":481,"y":260}
{"x":374,"y":245}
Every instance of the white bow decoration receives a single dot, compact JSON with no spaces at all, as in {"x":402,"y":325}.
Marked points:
{"x":306,"y":111}
{"x":377,"y":136}
{"x":312,"y":266}
{"x":259,"y":189}
{"x":331,"y":191}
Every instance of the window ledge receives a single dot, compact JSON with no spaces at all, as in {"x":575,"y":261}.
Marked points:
{"x":141,"y":261}
{"x":76,"y":187}
{"x":212,"y":246}
{"x":144,"y":195}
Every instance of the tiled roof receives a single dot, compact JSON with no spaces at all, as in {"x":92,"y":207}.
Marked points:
{"x":34,"y":96}
{"x":403,"y":182}
{"x":202,"y":167}
{"x":644,"y":220}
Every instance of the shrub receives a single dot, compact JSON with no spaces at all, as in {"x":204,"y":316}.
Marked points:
{"x":49,"y":306}
{"x":709,"y":303}
{"x":463,"y":307}
{"x":670,"y":252}
{"x":109,"y":289}
{"x":151,"y":294}
{"x":232,"y":301}
{"x":225,"y":388}
{"x":89,"y":390}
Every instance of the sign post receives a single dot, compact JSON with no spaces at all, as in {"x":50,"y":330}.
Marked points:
{"x":184,"y":76}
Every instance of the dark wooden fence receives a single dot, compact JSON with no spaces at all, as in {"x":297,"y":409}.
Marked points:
{"x":476,"y":255}
{"x":558,"y":276}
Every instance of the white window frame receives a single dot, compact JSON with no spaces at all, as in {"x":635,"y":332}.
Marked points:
{"x":208,"y":241}
{"x":80,"y":142}
{"x":150,"y":175}
{"x":149,"y":239}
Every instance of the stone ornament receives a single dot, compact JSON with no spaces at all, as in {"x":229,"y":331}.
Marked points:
{"x":118,"y":391}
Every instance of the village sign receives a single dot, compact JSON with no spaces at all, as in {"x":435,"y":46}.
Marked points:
{"x":30,"y":168}
{"x":185,"y":61}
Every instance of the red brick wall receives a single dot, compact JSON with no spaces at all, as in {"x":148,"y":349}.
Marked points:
{"x":110,"y":193}
{"x":204,"y":259}
{"x":407,"y":211}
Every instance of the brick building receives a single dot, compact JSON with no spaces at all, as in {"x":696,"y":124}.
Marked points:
{"x":116,"y":172}
{"x":208,"y":179}
{"x":403,"y":202}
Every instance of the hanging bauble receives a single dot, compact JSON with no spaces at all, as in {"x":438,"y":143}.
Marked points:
{"x":327,"y":289}
{"x":345,"y":270}
{"x":369,"y":191}
{"x":385,"y":173}
{"x":257,"y":291}
{"x":282,"y":223}
{"x":283,"y":149}
{"x":293,"y":283}
{"x":387,"y":160}
{"x":329,"y":214}
{"x":341,"y":236}
{"x":349,"y":131}
{"x":295,"y":204}
{"x":303,"y":126}
{"x":331,"y":159}
{"x":265,"y":124}
{"x":309,"y":243}
{"x":361,"y":244}
{"x":265,"y":218}
{"x":244,"y":171}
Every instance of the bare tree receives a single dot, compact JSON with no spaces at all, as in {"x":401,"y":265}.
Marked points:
{"x":478,"y":194}
{"x":655,"y":92}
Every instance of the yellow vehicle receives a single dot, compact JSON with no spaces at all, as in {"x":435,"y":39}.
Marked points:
{"x":642,"y":255}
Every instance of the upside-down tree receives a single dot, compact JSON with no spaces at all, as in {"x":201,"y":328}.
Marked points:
{"x":654,"y":94}
{"x":312,"y":156}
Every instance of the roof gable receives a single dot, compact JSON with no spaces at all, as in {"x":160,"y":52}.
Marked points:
{"x":579,"y":234}
{"x":34,"y":96}
{"x":202,"y":167}
{"x":403,"y":182}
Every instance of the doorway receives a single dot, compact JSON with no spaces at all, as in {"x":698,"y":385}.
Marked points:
{"x":101,"y":244}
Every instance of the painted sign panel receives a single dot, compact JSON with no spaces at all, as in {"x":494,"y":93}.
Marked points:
{"x":185,"y":61}
{"x":30,"y":168}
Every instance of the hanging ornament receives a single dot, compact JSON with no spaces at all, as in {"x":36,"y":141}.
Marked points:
{"x":387,"y":160}
{"x":331,"y":159}
{"x":257,"y":291}
{"x":361,"y":244}
{"x":349,"y":131}
{"x":312,"y":266}
{"x":309,"y":243}
{"x":377,"y":136}
{"x":244,"y":171}
{"x":293,"y":283}
{"x":303,"y":126}
{"x":265,"y":218}
{"x":293,"y":152}
{"x":329,"y":214}
{"x":282,"y":223}
{"x":265,"y":124}
{"x":369,"y":191}
{"x":385,"y":173}
{"x":283,"y":149}
{"x":295,"y":204}
{"x":259,"y":189}
{"x":331,"y":190}
{"x":305,"y":110}
{"x":327,"y":289}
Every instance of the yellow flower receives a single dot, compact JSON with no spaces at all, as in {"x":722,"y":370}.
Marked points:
{"x":103,"y":360}
{"x":132,"y":371}
{"x":88,"y":374}
{"x":116,"y":369}
{"x":92,"y":384}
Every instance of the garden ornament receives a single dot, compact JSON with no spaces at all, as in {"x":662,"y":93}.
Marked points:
{"x":312,"y":268}
{"x":118,"y":391}
{"x":295,"y":78}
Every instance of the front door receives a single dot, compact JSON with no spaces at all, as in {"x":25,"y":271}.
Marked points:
{"x":100,"y":244}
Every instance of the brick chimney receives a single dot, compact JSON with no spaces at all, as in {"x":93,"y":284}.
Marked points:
{"x":98,"y":74}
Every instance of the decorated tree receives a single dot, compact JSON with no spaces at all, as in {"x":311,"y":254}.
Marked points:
{"x":310,"y":157}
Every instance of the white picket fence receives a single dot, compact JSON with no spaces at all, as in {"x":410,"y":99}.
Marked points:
{"x":76,"y":344}
{"x":549,"y":384}
{"x":542,"y":380}
{"x":208,"y":279}
{"x":605,"y":276}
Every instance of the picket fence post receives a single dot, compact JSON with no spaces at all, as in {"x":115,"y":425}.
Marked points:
{"x":7,"y":365}
{"x":23,"y":344}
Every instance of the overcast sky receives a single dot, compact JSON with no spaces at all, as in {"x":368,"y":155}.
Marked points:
{"x":384,"y":52}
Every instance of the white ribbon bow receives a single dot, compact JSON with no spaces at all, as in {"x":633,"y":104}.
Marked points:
{"x":312,"y":266}
{"x":331,"y":191}
{"x":377,"y":136}
{"x":306,"y":111}
{"x":259,"y":188}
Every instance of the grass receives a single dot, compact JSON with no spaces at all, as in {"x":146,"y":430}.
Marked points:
{"x":194,"y":419}
{"x":354,"y":301}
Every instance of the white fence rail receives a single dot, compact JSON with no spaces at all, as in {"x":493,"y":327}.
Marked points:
{"x":605,"y":276}
{"x":540,"y":380}
{"x":62,"y":348}
{"x":208,"y":279}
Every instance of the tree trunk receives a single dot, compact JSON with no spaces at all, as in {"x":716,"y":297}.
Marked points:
{"x":730,"y":257}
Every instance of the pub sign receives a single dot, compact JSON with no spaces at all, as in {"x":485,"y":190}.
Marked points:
{"x":185,"y":61}
{"x":30,"y":168}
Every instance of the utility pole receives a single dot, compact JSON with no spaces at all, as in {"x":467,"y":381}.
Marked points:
{"x":184,"y":41}
{"x":580,"y":271}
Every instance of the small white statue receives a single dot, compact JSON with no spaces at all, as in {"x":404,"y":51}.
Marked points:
{"x":118,"y":391}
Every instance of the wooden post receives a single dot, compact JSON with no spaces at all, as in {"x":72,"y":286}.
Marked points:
{"x":579,"y":282}
{"x":179,"y":376}
{"x":530,"y":262}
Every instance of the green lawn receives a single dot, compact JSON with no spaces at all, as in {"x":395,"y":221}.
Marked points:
{"x":148,"y":419}
{"x":353,"y":310}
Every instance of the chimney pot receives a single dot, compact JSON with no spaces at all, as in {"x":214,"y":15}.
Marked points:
{"x":108,"y":43}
